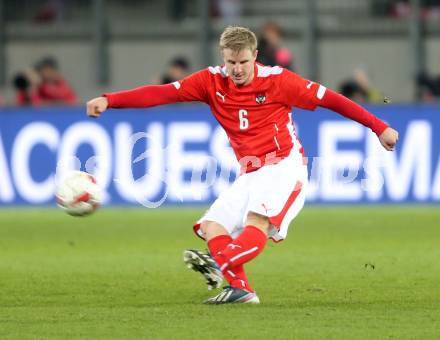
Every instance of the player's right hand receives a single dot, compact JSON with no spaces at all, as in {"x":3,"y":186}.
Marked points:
{"x":96,"y":106}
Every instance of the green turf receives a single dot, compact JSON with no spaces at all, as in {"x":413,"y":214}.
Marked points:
{"x":343,"y":273}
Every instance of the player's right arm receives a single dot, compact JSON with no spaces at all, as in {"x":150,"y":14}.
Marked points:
{"x":191,"y":88}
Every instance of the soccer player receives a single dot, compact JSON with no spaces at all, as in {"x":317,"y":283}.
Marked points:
{"x":253,"y":103}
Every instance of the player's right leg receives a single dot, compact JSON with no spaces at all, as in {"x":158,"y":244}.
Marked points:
{"x":204,"y":264}
{"x":220,"y":224}
{"x":218,"y":239}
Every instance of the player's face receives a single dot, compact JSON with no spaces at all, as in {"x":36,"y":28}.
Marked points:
{"x":240,"y":65}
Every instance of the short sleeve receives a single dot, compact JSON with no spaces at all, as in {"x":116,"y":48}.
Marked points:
{"x":194,"y":87}
{"x":300,"y":92}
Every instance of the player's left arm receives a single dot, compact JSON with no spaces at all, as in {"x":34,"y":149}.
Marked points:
{"x":308,"y":95}
{"x":336,"y":102}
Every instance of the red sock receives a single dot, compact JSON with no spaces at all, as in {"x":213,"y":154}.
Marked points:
{"x":243,"y":249}
{"x":218,"y":243}
{"x":236,"y":276}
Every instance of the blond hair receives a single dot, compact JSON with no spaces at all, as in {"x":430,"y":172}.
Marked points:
{"x":238,"y":38}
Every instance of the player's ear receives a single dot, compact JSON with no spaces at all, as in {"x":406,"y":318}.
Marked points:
{"x":222,"y":52}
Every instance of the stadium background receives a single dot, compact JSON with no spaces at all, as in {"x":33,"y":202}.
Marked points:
{"x":357,"y":272}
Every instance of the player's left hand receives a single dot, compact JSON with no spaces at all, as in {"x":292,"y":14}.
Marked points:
{"x":389,"y":138}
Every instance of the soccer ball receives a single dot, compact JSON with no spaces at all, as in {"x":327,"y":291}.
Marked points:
{"x":78,"y":194}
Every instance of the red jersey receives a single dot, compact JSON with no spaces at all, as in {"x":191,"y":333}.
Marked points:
{"x":57,"y":92}
{"x":256,"y":117}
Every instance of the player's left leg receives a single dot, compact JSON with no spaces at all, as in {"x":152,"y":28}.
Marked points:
{"x":217,"y":227}
{"x":276,"y":196}
{"x":217,"y":239}
{"x":247,"y":245}
{"x":231,"y":259}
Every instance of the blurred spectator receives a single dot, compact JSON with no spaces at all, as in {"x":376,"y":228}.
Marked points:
{"x":50,"y":11}
{"x":350,"y":89}
{"x":270,"y":49}
{"x":177,"y":69}
{"x":359,"y":88}
{"x":429,"y":86}
{"x":430,"y":9}
{"x":26,"y":88}
{"x":2,"y":101}
{"x":53,"y":89}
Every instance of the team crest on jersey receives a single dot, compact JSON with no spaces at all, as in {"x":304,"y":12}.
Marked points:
{"x":260,"y":98}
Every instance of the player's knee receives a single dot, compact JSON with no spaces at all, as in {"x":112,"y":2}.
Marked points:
{"x":204,"y":226}
{"x":211,"y":229}
{"x":259,"y":221}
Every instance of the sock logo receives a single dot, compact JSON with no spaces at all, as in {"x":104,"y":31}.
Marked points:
{"x":233,"y":246}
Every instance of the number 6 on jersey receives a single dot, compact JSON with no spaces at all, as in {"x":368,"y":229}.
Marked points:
{"x":242,"y":116}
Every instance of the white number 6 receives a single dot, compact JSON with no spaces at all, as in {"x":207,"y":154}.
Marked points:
{"x":244,"y":122}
